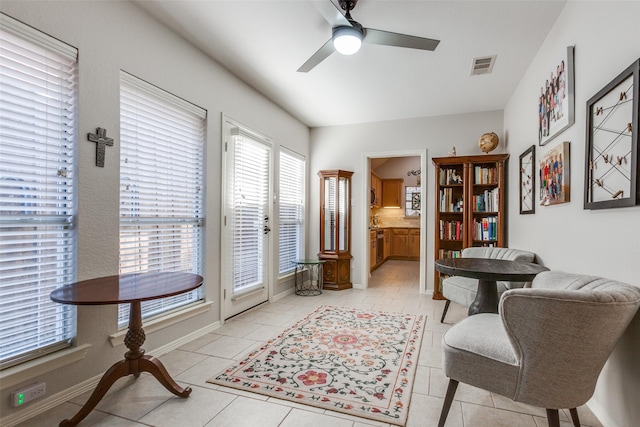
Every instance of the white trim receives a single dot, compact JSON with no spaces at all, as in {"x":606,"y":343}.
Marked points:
{"x":40,"y":366}
{"x":164,"y":321}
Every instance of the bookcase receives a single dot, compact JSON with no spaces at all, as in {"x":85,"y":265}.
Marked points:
{"x":470,"y":205}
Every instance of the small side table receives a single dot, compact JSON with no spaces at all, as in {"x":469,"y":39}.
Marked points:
{"x":132,"y":289}
{"x":313,"y":287}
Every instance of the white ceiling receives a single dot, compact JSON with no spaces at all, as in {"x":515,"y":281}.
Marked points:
{"x":264,"y":42}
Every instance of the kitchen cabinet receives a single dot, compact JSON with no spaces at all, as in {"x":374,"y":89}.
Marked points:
{"x":405,"y":243}
{"x":392,"y":193}
{"x":413,"y":243}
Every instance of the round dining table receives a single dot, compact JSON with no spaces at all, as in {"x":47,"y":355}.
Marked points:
{"x":488,"y":272}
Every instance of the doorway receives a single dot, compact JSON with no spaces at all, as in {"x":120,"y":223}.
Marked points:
{"x":409,"y":216}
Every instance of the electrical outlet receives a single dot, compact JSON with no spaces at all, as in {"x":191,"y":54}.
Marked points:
{"x":29,"y":393}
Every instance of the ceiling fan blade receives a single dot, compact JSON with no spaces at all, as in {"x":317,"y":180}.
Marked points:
{"x":400,"y":40}
{"x":331,"y":13}
{"x":320,"y":55}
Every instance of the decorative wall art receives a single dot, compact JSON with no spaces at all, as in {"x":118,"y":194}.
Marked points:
{"x":555,"y":175}
{"x":556,"y":100}
{"x":412,"y":201}
{"x":528,"y":180}
{"x":612,"y":153}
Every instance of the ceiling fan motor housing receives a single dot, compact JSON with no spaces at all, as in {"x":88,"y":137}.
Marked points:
{"x":348,"y":5}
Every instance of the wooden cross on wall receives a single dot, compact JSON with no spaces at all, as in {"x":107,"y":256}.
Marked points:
{"x":100,"y":138}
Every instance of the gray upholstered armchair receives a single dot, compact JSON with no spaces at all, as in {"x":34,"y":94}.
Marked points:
{"x":463,"y":290}
{"x":546,"y":346}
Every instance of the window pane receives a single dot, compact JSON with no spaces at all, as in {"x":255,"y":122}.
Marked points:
{"x":38,"y":102}
{"x":291,"y":211}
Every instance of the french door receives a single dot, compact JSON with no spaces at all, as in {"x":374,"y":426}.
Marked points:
{"x":246,"y":221}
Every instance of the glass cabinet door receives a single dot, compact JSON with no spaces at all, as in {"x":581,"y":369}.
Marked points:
{"x":330,"y":218}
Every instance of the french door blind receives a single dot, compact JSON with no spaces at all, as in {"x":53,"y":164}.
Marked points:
{"x":291,"y":208}
{"x":250,"y":194}
{"x":161,"y":188}
{"x":38,"y":206}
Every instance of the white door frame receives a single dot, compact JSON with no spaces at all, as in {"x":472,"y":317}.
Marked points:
{"x":422,"y":153}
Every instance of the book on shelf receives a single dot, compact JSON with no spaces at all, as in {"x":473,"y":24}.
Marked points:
{"x":485,"y":175}
{"x":448,"y":253}
{"x":451,"y":230}
{"x":485,"y":228}
{"x":449,"y":201}
{"x":449,"y":177}
{"x":487,"y":201}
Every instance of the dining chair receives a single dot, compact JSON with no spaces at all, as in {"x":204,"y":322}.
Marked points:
{"x":463,"y":290}
{"x":547,"y":344}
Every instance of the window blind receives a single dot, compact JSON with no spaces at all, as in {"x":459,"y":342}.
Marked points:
{"x":38,"y":107}
{"x":161,"y":188}
{"x":291,"y":208}
{"x":250,"y":197}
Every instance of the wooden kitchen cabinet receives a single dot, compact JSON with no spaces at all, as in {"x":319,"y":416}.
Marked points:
{"x":392,"y":193}
{"x":413,"y":243}
{"x":405,"y":243}
{"x":399,"y":238}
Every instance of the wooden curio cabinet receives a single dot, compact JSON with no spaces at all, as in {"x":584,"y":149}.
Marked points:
{"x":470,"y":205}
{"x":335,"y":228}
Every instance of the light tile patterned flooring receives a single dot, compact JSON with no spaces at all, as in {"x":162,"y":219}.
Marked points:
{"x":393,"y":287}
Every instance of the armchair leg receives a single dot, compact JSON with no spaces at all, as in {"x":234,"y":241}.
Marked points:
{"x":553,"y":418}
{"x":444,"y":312}
{"x":448,"y":399}
{"x":574,"y":417}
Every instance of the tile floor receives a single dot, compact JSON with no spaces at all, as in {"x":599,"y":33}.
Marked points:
{"x":393,"y":287}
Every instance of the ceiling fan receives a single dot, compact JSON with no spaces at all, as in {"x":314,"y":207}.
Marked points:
{"x":348,"y":35}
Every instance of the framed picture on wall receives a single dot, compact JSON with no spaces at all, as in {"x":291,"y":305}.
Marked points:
{"x":528,"y":181}
{"x":556,"y":98}
{"x":612,"y":152}
{"x":555,"y":175}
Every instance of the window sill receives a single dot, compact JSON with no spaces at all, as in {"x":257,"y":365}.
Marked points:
{"x":164,"y":321}
{"x":40,"y":366}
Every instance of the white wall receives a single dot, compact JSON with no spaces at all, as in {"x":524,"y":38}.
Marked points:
{"x":345,"y":147}
{"x":567,"y":237}
{"x":115,"y":35}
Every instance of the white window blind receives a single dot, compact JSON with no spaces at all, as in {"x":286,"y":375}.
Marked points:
{"x":291,"y":211}
{"x":38,"y":103}
{"x":161,"y":188}
{"x":250,"y":208}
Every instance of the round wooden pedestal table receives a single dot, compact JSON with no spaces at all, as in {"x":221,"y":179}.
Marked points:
{"x":128,"y":289}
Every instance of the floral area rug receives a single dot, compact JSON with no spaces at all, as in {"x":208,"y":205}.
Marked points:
{"x":347,"y":360}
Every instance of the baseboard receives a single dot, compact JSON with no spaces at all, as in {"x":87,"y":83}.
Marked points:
{"x":57,"y":399}
{"x":282,"y":295}
{"x":601,"y":413}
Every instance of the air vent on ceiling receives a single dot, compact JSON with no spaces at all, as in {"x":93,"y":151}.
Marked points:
{"x":483,"y":65}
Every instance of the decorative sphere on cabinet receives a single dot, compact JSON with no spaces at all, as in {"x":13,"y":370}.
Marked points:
{"x":488,"y":142}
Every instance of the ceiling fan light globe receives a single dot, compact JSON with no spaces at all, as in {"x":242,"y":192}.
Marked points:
{"x":347,"y":40}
